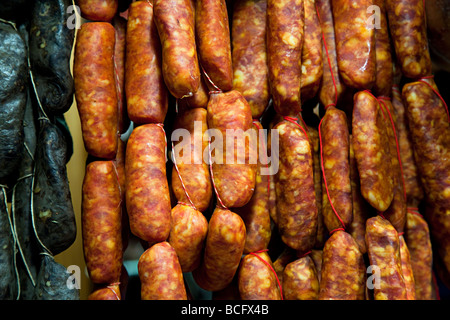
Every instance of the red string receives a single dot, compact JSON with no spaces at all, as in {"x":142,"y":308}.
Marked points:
{"x":181,"y":180}
{"x":271,"y":268}
{"x":329,"y":62}
{"x":294,"y":121}
{"x":218,"y":90}
{"x":110,"y":287}
{"x":414,"y":211}
{"x":325,"y":180}
{"x":380,"y":100}
{"x":436,"y":92}
{"x":212,"y":176}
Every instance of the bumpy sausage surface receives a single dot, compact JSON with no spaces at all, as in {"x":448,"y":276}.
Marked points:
{"x":102,"y":222}
{"x":285,"y":22}
{"x":160,"y":274}
{"x":95,"y":88}
{"x":300,"y":281}
{"x":147,"y":190}
{"x":407,"y":270}
{"x":95,"y":10}
{"x":175,"y":21}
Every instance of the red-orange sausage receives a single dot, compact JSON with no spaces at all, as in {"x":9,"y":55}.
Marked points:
{"x":147,"y":190}
{"x":146,"y":92}
{"x":98,"y":10}
{"x":102,"y":222}
{"x":95,"y":88}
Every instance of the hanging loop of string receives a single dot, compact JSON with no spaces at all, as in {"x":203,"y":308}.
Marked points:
{"x":255,"y":253}
{"x":212,"y":177}
{"x":181,"y":180}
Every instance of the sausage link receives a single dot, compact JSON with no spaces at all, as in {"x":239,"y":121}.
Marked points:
{"x":355,"y":43}
{"x":224,"y":246}
{"x":300,"y":281}
{"x":361,"y":209}
{"x":317,"y":255}
{"x":187,"y":234}
{"x":111,"y":292}
{"x":233,"y":169}
{"x":160,"y":274}
{"x":102,"y":222}
{"x":332,"y":87}
{"x":383,"y":250}
{"x":95,"y":10}
{"x":256,"y":212}
{"x":249,"y":53}
{"x":408,"y":32}
{"x":294,"y":183}
{"x":430,"y":134}
{"x":337,"y":193}
{"x":198,"y":100}
{"x":383,"y":52}
{"x":284,"y":258}
{"x":312,"y":55}
{"x":417,"y":236}
{"x":188,"y":157}
{"x":175,"y":21}
{"x":95,"y":88}
{"x":146,"y":92}
{"x":147,"y":190}
{"x":213,"y":42}
{"x":413,"y":186}
{"x":407,"y":270}
{"x":371,"y":147}
{"x":256,"y":279}
{"x":285,"y":32}
{"x":342,"y":264}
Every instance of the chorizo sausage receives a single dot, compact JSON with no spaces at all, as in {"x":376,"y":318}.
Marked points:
{"x":101,"y":222}
{"x":407,"y":271}
{"x":383,"y":52}
{"x":110,"y":292}
{"x":51,"y":44}
{"x":430,"y":133}
{"x":417,"y":236}
{"x":332,"y":87}
{"x":285,"y":32}
{"x":294,"y":183}
{"x":284,"y":258}
{"x":371,"y":147}
{"x":147,"y":190}
{"x":145,"y":90}
{"x":249,"y":53}
{"x":256,"y":212}
{"x":234,"y":164}
{"x":191,"y":179}
{"x":214,"y":43}
{"x":383,"y":250}
{"x":198,"y":100}
{"x":160,"y":274}
{"x":95,"y":88}
{"x":224,"y":246}
{"x":337,"y":193}
{"x":95,"y":10}
{"x":257,"y":279}
{"x":342,"y":264}
{"x":175,"y":21}
{"x":187,"y":234}
{"x":312,"y":55}
{"x":300,"y":281}
{"x":408,"y":32}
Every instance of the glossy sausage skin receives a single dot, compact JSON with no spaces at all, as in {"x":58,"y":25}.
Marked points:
{"x":285,"y":22}
{"x":343,"y":263}
{"x":336,"y":170}
{"x":249,"y":54}
{"x":188,"y":157}
{"x":407,"y":27}
{"x":355,"y":43}
{"x":223,"y":250}
{"x":371,"y":147}
{"x":407,"y":270}
{"x":95,"y":88}
{"x":213,"y":42}
{"x":160,"y":274}
{"x":146,"y":92}
{"x":147,"y":190}
{"x":108,"y":293}
{"x":383,"y":249}
{"x":187,"y":234}
{"x":98,"y":10}
{"x":175,"y":21}
{"x":234,"y":177}
{"x":300,"y":281}
{"x":102,"y":222}
{"x":295,"y":194}
{"x":256,"y":280}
